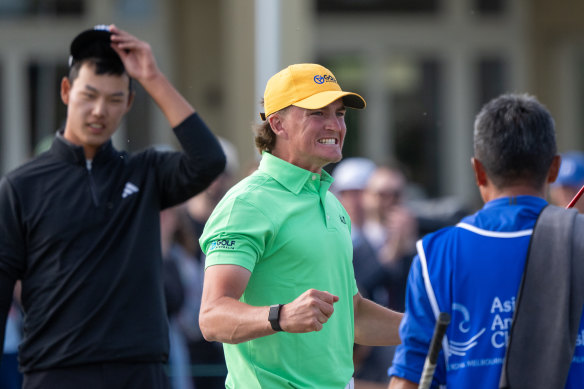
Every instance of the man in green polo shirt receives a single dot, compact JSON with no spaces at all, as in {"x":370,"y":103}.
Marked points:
{"x":279,"y":287}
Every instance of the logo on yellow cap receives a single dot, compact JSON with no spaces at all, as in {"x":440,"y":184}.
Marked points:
{"x":326,"y":78}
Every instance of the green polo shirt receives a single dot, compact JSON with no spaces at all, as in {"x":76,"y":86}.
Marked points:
{"x":284,"y":226}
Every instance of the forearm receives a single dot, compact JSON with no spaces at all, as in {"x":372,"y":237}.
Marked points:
{"x":401,"y":383}
{"x":201,"y":146}
{"x":224,"y":318}
{"x":230,"y":321}
{"x":376,"y":325}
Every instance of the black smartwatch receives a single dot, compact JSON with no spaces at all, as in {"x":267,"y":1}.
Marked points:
{"x":274,"y":317}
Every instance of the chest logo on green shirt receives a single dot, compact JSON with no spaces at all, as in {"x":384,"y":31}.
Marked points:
{"x":342,"y":218}
{"x":222,"y":244}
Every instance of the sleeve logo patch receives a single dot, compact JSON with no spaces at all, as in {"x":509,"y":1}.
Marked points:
{"x":222,"y":244}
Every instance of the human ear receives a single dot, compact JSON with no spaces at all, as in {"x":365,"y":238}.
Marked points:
{"x":65,"y":89}
{"x":554,"y":169}
{"x":479,"y":171}
{"x":278,"y":126}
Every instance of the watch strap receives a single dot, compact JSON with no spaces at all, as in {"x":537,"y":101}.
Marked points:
{"x":274,"y":317}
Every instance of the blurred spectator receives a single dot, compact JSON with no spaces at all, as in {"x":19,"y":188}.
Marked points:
{"x":391,"y":228}
{"x":570,"y":180}
{"x":207,"y":358}
{"x":175,"y":253}
{"x":350,"y":180}
{"x":435,"y":213}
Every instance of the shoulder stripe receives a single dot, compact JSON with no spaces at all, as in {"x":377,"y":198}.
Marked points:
{"x":495,"y":234}
{"x":430,"y":293}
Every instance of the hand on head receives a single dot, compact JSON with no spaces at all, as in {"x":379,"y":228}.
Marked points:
{"x":136,"y":55}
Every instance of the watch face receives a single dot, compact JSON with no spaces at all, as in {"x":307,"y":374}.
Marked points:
{"x":274,"y":312}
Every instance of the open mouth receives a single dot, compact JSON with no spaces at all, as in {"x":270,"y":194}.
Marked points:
{"x":96,"y":127}
{"x":328,"y":141}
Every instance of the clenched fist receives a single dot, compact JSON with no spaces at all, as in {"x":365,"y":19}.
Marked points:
{"x":308,"y":312}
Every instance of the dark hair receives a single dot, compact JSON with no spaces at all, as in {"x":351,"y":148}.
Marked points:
{"x":514,"y":139}
{"x":102,"y":65}
{"x":265,"y":138}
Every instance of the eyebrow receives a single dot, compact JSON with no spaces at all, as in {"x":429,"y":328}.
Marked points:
{"x":95,"y":90}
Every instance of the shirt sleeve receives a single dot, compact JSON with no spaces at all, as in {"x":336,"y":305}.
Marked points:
{"x":11,"y":251}
{"x":237,"y":233}
{"x":416,"y":331}
{"x":12,"y":245}
{"x":187,"y":173}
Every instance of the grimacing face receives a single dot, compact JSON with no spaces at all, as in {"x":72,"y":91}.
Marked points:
{"x":96,"y":105}
{"x":314,"y":136}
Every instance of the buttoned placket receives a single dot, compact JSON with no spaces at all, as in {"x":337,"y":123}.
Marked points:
{"x":322,"y":192}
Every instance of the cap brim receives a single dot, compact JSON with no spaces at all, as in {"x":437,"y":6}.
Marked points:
{"x":322,"y":99}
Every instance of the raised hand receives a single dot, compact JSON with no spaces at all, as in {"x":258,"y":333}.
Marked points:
{"x":135,"y":54}
{"x":140,"y":64}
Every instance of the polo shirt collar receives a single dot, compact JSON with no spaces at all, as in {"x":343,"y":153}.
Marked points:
{"x":526,"y":200}
{"x":74,"y":154}
{"x":292,"y":177}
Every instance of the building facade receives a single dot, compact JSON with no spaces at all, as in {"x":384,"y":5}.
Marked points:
{"x":424,"y":66}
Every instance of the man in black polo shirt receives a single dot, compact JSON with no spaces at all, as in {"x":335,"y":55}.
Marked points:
{"x":79,"y":225}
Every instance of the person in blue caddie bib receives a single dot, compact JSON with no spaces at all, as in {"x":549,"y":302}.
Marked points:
{"x":473,"y":270}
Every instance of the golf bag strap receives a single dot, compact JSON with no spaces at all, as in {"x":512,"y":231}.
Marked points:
{"x":549,"y":304}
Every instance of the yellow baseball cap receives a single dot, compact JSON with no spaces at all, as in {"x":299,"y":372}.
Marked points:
{"x":308,"y":86}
